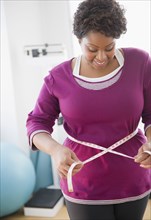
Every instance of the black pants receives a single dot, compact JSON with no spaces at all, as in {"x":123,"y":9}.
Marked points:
{"x":125,"y":211}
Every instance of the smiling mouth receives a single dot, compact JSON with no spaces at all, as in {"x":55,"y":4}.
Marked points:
{"x":99,"y":63}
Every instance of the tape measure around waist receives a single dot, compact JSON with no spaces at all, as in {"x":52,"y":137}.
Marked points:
{"x":104,"y":151}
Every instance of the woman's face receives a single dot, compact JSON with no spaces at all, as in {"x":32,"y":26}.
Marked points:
{"x":98,"y":50}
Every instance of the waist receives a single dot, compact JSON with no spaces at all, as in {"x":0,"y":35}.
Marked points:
{"x":100,"y":147}
{"x":103,"y":151}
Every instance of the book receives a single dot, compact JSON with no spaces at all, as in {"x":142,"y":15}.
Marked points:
{"x":46,"y":202}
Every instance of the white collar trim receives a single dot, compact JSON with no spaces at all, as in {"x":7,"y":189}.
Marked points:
{"x":76,"y":69}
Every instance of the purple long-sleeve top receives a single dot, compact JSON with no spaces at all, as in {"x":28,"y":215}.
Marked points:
{"x":101,"y":117}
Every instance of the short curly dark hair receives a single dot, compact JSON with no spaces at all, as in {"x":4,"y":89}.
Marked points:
{"x":104,"y":16}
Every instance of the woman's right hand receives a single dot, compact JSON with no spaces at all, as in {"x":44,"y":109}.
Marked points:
{"x":64,"y":158}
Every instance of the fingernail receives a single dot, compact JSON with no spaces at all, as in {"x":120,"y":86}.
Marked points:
{"x":142,"y":166}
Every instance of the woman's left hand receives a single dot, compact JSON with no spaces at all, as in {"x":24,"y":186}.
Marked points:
{"x":142,"y":157}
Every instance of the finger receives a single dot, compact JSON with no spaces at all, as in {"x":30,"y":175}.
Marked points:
{"x":147,"y":161}
{"x":71,"y":161}
{"x":145,"y":166}
{"x":78,"y":166}
{"x":77,"y":169}
{"x":65,"y":164}
{"x":66,"y":168}
{"x":75,"y":158}
{"x":62,"y":176}
{"x":63,"y":170}
{"x":141,"y":157}
{"x":63,"y":173}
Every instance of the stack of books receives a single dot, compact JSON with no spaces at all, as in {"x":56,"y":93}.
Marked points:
{"x":46,"y":202}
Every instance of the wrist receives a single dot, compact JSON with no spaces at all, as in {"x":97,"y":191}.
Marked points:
{"x":56,"y":148}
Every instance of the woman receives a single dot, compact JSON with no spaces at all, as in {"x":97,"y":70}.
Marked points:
{"x":102,"y":96}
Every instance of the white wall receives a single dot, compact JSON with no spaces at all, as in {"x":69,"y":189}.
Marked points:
{"x":138,"y":14}
{"x":30,"y":23}
{"x":9,"y":131}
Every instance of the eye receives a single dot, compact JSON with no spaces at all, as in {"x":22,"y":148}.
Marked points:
{"x":109,"y":49}
{"x":92,"y":50}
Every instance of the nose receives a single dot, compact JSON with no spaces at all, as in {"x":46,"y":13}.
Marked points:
{"x":101,"y":56}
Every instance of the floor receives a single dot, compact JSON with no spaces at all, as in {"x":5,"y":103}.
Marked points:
{"x":63,"y":215}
